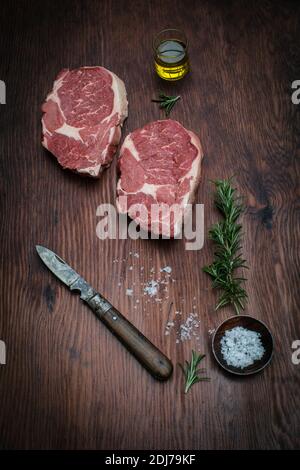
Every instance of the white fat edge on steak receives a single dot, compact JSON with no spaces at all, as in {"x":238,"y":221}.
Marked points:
{"x":53,"y":96}
{"x":129,"y":144}
{"x":93,"y":171}
{"x":194,"y":173}
{"x":151,"y":189}
{"x":120,"y":105}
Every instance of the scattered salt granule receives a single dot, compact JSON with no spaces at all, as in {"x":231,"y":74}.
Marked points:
{"x":241,"y":347}
{"x":187,"y":329}
{"x":169,"y":325}
{"x":211,"y":331}
{"x":154,"y":284}
{"x":151,"y":288}
{"x":166,"y":269}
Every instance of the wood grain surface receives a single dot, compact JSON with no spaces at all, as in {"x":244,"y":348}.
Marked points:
{"x":68,"y":383}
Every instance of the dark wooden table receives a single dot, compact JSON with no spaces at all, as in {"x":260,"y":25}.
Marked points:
{"x":68,"y":384}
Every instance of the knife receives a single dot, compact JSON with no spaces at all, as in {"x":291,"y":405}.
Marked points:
{"x":145,"y":352}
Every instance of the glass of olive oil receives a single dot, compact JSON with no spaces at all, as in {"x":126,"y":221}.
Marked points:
{"x":171,"y":54}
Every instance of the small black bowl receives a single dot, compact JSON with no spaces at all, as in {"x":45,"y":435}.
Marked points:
{"x":249,"y":323}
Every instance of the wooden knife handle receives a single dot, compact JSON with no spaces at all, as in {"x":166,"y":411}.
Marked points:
{"x":145,"y":352}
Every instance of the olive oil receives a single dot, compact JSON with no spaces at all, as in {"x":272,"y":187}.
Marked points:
{"x":171,"y":59}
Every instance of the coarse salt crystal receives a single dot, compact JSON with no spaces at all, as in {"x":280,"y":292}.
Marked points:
{"x":241,"y":347}
{"x":186,"y":329}
{"x":151,"y":288}
{"x":166,"y":269}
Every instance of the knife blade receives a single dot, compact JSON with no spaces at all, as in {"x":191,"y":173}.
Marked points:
{"x":145,"y":352}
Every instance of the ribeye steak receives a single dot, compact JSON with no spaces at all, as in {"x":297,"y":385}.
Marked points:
{"x":82,"y":118}
{"x":159,"y":165}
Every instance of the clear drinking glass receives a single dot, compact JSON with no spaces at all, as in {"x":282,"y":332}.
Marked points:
{"x":171,"y":54}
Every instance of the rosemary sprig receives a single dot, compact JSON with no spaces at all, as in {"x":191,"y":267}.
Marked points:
{"x":166,"y":102}
{"x":227,"y":258}
{"x":191,"y":371}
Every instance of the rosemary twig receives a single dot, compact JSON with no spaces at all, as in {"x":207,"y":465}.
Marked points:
{"x":191,"y":371}
{"x":227,"y":258}
{"x":166,"y":102}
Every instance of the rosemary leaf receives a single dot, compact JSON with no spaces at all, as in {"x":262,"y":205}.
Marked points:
{"x":166,"y":102}
{"x":226,"y":236}
{"x":191,"y":371}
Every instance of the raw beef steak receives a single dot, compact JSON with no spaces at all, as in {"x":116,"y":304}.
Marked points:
{"x":82,"y":118}
{"x":159,"y":165}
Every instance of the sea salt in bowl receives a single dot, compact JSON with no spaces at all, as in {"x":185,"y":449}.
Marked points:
{"x":242,"y":345}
